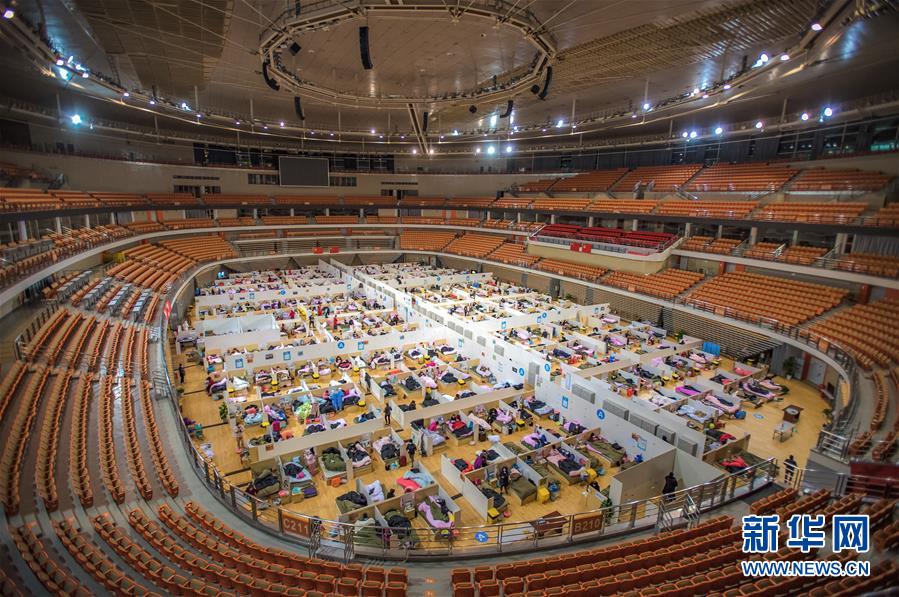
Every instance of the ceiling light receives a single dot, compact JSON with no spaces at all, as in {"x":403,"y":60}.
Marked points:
{"x":828,"y":111}
{"x":718,"y":130}
{"x":693,"y":134}
{"x":59,"y":62}
{"x":685,"y":134}
{"x":543,"y":130}
{"x":265,"y":126}
{"x":414,"y":151}
{"x":184,"y":106}
{"x":64,"y":74}
{"x":759,"y":124}
{"x":477,"y":150}
{"x":512,"y":117}
{"x":332,"y":134}
{"x":373,"y":131}
{"x":84,"y":75}
{"x":441,"y":136}
{"x":508,"y":149}
{"x":705,"y":96}
{"x":153,"y":103}
{"x":9,"y":13}
{"x":726,"y":86}
{"x":311,"y":132}
{"x":560,"y":123}
{"x":76,"y":119}
{"x":199,"y":115}
{"x":431,"y":151}
{"x":633,"y":115}
{"x":763,"y":58}
{"x":646,"y":105}
{"x":784,"y":57}
{"x":817,"y":27}
{"x":282,"y":124}
{"x":804,"y":116}
{"x":493,"y":120}
{"x":695,"y":90}
{"x":380,"y":136}
{"x":455,"y":132}
{"x":402,"y":136}
{"x":126,"y":94}
{"x":237,"y":122}
{"x":491,"y":150}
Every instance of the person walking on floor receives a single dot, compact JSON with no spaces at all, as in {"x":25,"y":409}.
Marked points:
{"x":181,"y":373}
{"x":789,"y":469}
{"x":387,"y":410}
{"x":410,"y":450}
{"x":670,"y":487}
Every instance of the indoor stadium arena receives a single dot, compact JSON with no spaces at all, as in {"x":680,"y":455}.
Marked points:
{"x":449,"y":298}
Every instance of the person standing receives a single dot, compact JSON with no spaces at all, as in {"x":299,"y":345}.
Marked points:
{"x":387,"y":410}
{"x":181,"y":373}
{"x":238,"y":434}
{"x":410,"y":450}
{"x":789,"y":469}
{"x":504,"y":480}
{"x":670,"y":486}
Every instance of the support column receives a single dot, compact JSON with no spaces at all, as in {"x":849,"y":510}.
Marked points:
{"x":634,"y":224}
{"x":87,"y":221}
{"x":57,"y":222}
{"x":215,"y":214}
{"x":753,"y":235}
{"x":720,"y":231}
{"x":327,"y":211}
{"x":112,"y":218}
{"x":519,"y":216}
{"x":839,"y":244}
{"x":864,"y":294}
{"x":688,"y":228}
{"x":552,"y":218}
{"x":361,"y":213}
{"x":795,"y":240}
{"x":23,"y":231}
{"x":590,"y":222}
{"x":255,"y":213}
{"x":292,"y":214}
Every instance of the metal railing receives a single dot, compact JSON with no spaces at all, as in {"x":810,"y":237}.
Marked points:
{"x":841,"y":484}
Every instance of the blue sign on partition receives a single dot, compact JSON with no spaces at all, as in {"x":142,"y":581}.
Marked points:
{"x":252,"y":295}
{"x":564,"y":401}
{"x":503,"y":324}
{"x":438,"y":278}
{"x":546,"y":367}
{"x":521,"y":371}
{"x":286,"y":355}
{"x":543,"y":316}
{"x":341,"y":344}
{"x":481,"y":537}
{"x":460,"y":342}
{"x":360,"y":346}
{"x":283,"y":292}
{"x":600,"y":414}
{"x":238,"y":363}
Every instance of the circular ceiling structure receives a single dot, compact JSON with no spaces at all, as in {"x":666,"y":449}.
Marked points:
{"x":332,"y":53}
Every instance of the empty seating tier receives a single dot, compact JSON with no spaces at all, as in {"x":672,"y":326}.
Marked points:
{"x":621,"y":206}
{"x":515,"y":254}
{"x":821,"y":179}
{"x":336,"y":219}
{"x":474,"y":245}
{"x":572,"y":270}
{"x":613,"y":236}
{"x":887,"y":216}
{"x":864,"y":331}
{"x":475,"y":202}
{"x":817,"y":213}
{"x":869,"y":263}
{"x":560,"y":204}
{"x":537,"y":186}
{"x":662,"y":178}
{"x":742,"y":178}
{"x":219,"y":200}
{"x":600,"y":180}
{"x":512,"y":203}
{"x":666,"y":284}
{"x":765,"y":299}
{"x":707,"y":209}
{"x":425,"y":240}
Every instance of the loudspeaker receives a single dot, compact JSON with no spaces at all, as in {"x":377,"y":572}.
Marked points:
{"x":298,"y":108}
{"x":424,"y":122}
{"x":269,"y":81}
{"x":297,"y":8}
{"x":472,"y":109}
{"x":508,"y":111}
{"x":363,"y":48}
{"x":549,"y":77}
{"x":294,"y":48}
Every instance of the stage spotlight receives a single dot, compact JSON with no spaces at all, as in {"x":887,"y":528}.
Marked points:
{"x":718,"y":130}
{"x":491,"y":150}
{"x":804,"y":116}
{"x":685,"y":134}
{"x":646,"y":105}
{"x":693,"y":134}
{"x":817,"y":27}
{"x":759,"y":124}
{"x":9,"y":13}
{"x":828,"y":111}
{"x":76,"y":119}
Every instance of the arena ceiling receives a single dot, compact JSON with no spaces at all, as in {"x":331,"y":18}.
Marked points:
{"x":607,"y":58}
